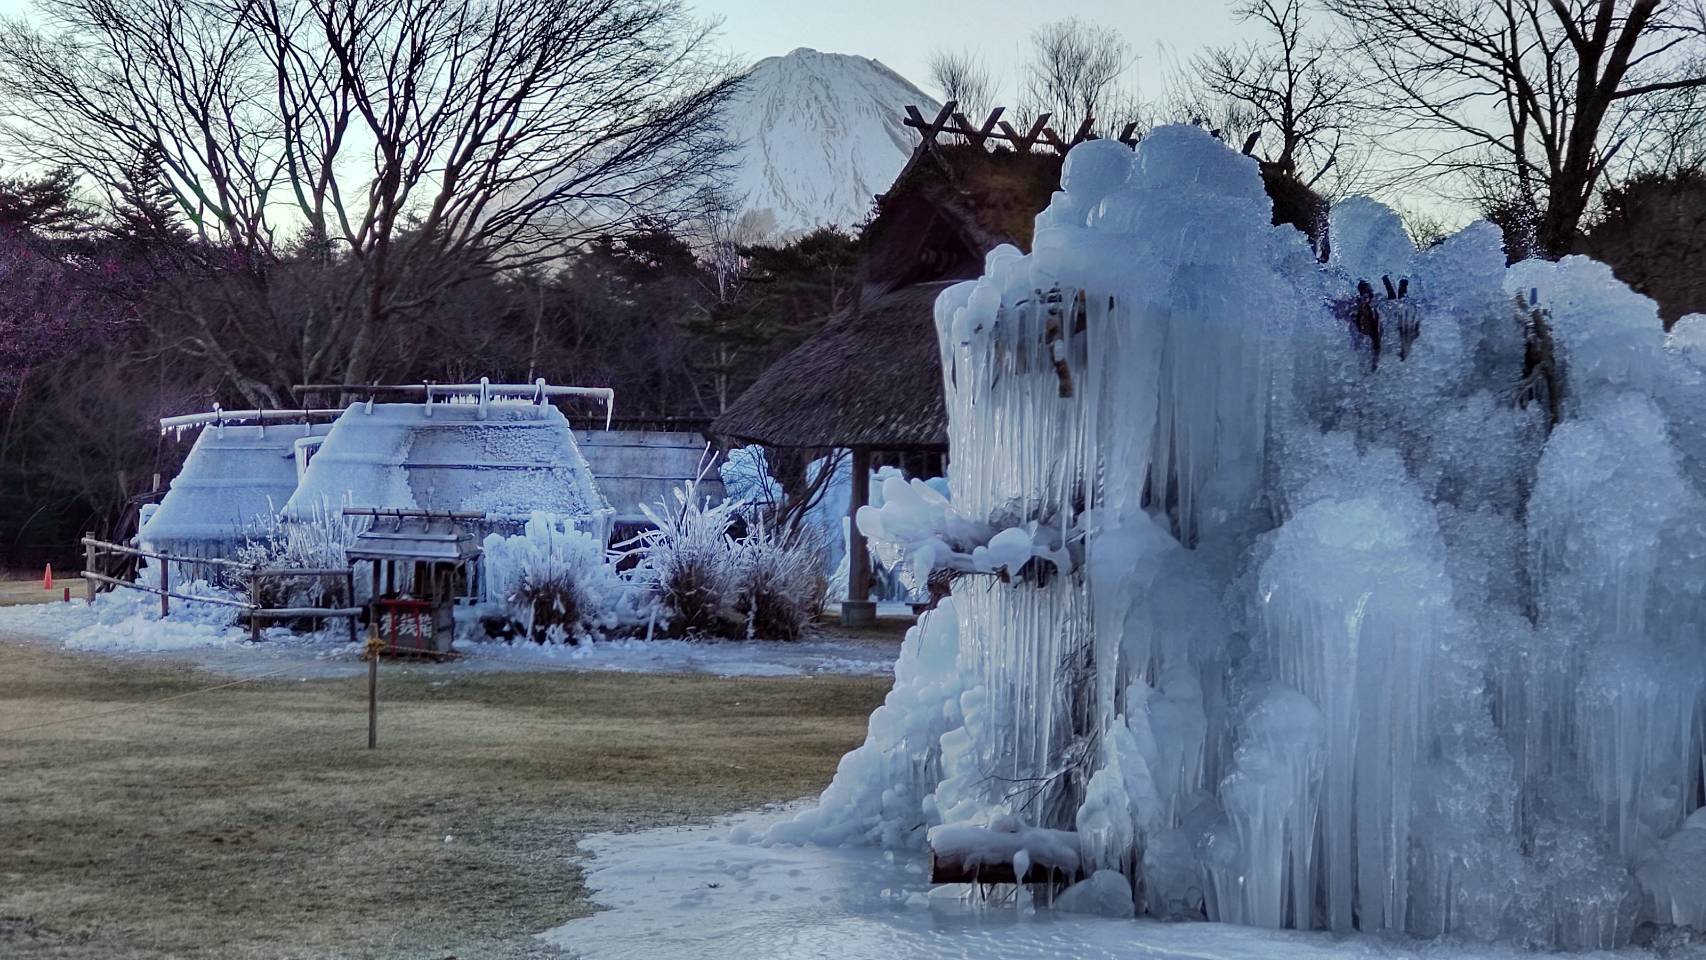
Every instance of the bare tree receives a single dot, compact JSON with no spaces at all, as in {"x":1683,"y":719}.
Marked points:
{"x":1426,"y":227}
{"x":423,"y":142}
{"x":1530,"y":100}
{"x":1287,"y":90}
{"x":965,"y":78}
{"x":1073,"y":72}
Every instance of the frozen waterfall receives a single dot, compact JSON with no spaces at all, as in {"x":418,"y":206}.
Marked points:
{"x":1285,"y":637}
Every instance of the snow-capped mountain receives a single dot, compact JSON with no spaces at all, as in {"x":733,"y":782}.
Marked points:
{"x":819,"y":135}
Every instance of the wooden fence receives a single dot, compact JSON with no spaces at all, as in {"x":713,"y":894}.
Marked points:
{"x":96,"y":551}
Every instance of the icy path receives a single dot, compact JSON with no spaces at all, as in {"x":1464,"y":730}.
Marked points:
{"x":702,"y":892}
{"x":130,"y":625}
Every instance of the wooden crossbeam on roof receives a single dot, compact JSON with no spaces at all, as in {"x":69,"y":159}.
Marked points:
{"x":979,"y":135}
{"x":930,"y":128}
{"x":1029,"y":139}
{"x":952,"y":121}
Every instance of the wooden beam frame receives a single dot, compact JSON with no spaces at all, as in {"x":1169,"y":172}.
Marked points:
{"x":951,"y":121}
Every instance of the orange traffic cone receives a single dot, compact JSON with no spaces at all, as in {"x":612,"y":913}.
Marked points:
{"x":47,"y":578}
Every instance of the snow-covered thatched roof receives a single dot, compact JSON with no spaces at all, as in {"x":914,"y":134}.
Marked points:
{"x":506,"y":459}
{"x":235,"y":479}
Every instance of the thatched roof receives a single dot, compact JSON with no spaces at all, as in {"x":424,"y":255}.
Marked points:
{"x":871,"y":377}
{"x":950,"y":205}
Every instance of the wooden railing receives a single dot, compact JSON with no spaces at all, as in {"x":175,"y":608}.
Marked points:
{"x":257,"y":612}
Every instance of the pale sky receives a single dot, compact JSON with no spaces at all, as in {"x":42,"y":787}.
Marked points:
{"x":903,"y":33}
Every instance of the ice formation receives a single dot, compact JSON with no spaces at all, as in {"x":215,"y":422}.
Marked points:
{"x":1285,"y":637}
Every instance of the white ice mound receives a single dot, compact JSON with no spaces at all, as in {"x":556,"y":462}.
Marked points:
{"x":1277,"y":634}
{"x":1369,"y":240}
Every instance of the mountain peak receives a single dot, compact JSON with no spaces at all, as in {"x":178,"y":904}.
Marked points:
{"x":818,"y":136}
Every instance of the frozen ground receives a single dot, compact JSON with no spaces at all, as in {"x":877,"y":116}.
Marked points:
{"x":130,"y":626}
{"x":715,"y":892}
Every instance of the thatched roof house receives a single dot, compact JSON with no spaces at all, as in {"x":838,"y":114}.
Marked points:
{"x":506,"y":459}
{"x":233,"y":483}
{"x":872,"y":377}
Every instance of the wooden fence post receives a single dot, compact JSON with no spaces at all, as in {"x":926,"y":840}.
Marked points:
{"x":254,"y":603}
{"x":165,"y":585}
{"x":349,"y":587}
{"x":89,"y":566}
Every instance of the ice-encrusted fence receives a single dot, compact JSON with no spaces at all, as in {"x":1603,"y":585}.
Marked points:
{"x":1287,"y":638}
{"x":265,"y":585}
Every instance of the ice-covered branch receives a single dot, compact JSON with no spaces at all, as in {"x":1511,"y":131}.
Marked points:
{"x":934,"y":537}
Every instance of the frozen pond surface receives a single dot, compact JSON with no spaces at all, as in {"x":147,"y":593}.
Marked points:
{"x":706,"y":892}
{"x":130,"y":626}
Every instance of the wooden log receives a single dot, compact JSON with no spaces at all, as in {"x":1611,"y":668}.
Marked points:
{"x":946,"y":868}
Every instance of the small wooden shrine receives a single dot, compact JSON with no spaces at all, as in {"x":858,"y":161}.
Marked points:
{"x":422,"y":561}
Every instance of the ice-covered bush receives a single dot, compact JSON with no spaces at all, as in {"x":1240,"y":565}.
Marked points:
{"x":685,"y":557}
{"x":556,"y":584}
{"x":778,"y":581}
{"x":319,"y":542}
{"x":708,"y":582}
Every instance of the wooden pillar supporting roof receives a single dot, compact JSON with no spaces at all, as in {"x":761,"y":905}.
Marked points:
{"x":857,"y":610}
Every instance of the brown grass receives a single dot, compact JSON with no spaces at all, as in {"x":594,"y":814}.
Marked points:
{"x":14,"y":592}
{"x":251,"y":822}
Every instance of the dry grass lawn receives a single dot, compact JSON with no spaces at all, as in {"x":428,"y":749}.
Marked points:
{"x":14,"y":592}
{"x":250,"y":822}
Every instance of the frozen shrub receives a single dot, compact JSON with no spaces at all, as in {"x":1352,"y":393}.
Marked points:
{"x":710,"y":583}
{"x":319,"y":542}
{"x":779,"y":582}
{"x":554,"y":583}
{"x":686,"y":558}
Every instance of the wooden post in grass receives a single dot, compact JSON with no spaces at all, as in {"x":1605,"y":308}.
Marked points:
{"x":373,"y":646}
